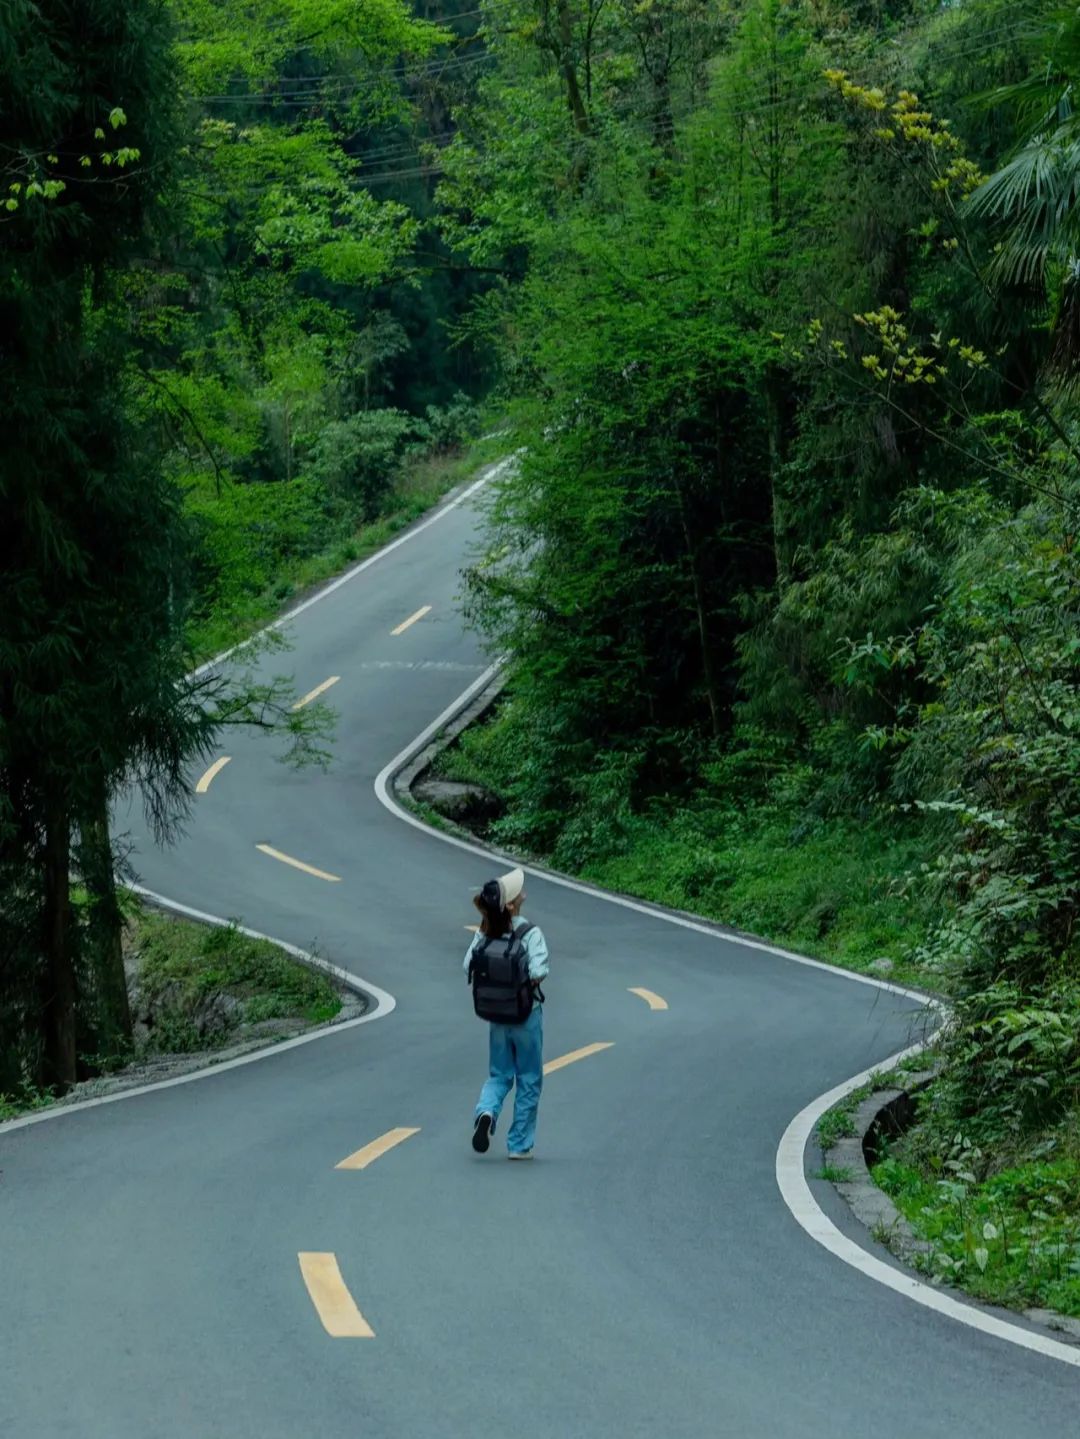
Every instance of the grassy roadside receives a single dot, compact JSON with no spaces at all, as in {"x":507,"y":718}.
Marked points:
{"x":1010,"y":1236}
{"x":194,"y":987}
{"x":834,"y":894}
{"x":835,"y":889}
{"x":197,"y":992}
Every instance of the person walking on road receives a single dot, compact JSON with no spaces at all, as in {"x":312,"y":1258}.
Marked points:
{"x":505,"y":965}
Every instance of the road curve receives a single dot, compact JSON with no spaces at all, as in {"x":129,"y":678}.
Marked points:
{"x":177,"y":1265}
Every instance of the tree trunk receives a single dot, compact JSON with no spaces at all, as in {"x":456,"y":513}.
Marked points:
{"x":105,"y":928}
{"x":774,"y":387}
{"x":574,"y":97}
{"x":774,"y":377}
{"x":58,"y":985}
{"x":663,"y":115}
{"x":708,"y":669}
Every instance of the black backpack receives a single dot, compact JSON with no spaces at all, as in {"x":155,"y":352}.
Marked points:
{"x":502,"y":991}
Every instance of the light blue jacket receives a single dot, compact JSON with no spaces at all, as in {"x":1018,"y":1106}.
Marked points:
{"x":535,"y":947}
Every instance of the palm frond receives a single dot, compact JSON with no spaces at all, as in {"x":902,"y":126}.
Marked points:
{"x":1034,"y":198}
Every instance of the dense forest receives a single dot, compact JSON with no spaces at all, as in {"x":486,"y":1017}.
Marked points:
{"x":782,"y":302}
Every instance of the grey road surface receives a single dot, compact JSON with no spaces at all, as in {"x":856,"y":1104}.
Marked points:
{"x":641,"y":1277}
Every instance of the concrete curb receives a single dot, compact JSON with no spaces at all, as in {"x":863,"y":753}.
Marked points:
{"x":887,"y":1111}
{"x":376,"y":1002}
{"x":891,"y":1112}
{"x":480,"y":703}
{"x":360,"y":998}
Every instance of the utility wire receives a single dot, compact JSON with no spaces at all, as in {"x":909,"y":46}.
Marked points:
{"x":796,"y":95}
{"x":317,"y":87}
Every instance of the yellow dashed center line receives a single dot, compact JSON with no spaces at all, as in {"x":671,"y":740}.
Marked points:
{"x":333,"y":1303}
{"x":212,"y":773}
{"x":419,"y":615}
{"x":652,"y":1000}
{"x":378,"y":1147}
{"x":316,"y":692}
{"x":574,"y":1055}
{"x":298,"y":864}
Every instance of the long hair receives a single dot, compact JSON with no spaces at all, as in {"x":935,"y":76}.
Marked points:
{"x":495,"y":921}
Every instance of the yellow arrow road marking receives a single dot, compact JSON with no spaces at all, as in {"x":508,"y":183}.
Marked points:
{"x":419,"y":615}
{"x":652,"y":1000}
{"x":574,"y":1055}
{"x":316,"y":692}
{"x":378,"y":1147}
{"x":333,"y":1303}
{"x":212,"y":773}
{"x":299,"y":864}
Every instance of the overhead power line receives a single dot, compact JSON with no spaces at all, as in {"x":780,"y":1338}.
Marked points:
{"x":408,"y":164}
{"x":315,"y":87}
{"x":319,"y":87}
{"x":793,"y":97}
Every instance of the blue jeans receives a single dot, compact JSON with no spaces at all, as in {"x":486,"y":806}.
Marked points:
{"x":517,"y":1053}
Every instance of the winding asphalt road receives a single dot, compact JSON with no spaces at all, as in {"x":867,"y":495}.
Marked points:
{"x":641,"y":1277}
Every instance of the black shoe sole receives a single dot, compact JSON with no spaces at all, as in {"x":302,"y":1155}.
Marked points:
{"x":481,"y":1135}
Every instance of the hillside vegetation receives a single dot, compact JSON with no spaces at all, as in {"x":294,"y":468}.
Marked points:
{"x":783,"y":302}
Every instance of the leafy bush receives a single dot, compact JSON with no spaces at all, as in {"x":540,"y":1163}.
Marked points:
{"x":1000,"y":742}
{"x":993,"y":760}
{"x":1012,"y":1238}
{"x":360,"y":458}
{"x":450,"y":425}
{"x":248,"y":535}
{"x":1014,"y":1065}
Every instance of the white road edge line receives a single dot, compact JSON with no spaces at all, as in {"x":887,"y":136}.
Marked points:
{"x":385,"y":1002}
{"x":790,"y":1157}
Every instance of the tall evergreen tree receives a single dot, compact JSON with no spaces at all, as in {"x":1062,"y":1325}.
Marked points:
{"x":91,"y":654}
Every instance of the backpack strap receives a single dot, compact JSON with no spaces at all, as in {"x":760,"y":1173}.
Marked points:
{"x":479,"y":942}
{"x":520,"y":934}
{"x":484,"y":940}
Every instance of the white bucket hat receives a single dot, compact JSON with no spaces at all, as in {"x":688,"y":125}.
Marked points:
{"x":510,"y":886}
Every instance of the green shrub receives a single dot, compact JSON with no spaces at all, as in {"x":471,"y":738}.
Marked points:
{"x":360,"y":457}
{"x":184,"y":968}
{"x":1010,"y":1238}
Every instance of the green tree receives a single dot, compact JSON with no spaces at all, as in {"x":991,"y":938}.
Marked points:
{"x":89,"y":651}
{"x":648,"y":502}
